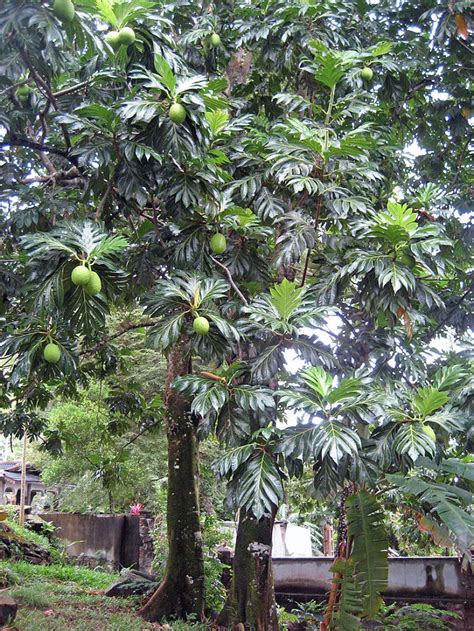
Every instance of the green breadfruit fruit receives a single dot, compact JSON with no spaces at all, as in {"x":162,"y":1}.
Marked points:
{"x":52,"y":353}
{"x":80,"y":275}
{"x":201,"y":325}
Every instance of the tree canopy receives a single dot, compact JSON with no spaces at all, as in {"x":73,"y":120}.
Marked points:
{"x":255,"y":186}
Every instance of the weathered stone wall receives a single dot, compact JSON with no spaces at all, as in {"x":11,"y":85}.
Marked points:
{"x":418,"y":577}
{"x":113,"y":541}
{"x":435,"y":580}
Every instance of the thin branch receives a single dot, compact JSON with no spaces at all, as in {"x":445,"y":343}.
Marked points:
{"x":231,"y":280}
{"x":460,"y":161}
{"x":140,"y":433}
{"x":45,"y":87}
{"x":429,"y":336}
{"x":71,"y":89}
{"x":101,"y":204}
{"x":124,"y":329}
{"x":319,"y":204}
{"x":31,"y":135}
{"x":440,"y":324}
{"x":36,"y":146}
{"x":306,"y":266}
{"x":40,"y":82}
{"x":15,"y":86}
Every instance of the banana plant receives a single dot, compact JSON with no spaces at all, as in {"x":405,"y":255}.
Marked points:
{"x":361,"y":573}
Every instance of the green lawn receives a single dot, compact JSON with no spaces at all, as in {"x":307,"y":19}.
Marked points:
{"x":67,"y":598}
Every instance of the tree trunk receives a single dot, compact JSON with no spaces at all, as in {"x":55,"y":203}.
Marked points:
{"x":111,"y":501}
{"x":251,"y":599}
{"x":182,"y":589}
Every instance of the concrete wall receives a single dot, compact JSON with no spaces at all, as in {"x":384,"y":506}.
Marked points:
{"x":110,"y":540}
{"x":125,"y":541}
{"x":418,"y":577}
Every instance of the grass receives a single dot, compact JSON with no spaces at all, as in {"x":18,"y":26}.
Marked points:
{"x":58,"y":597}
{"x":28,"y":535}
{"x":31,"y":596}
{"x":84,"y":577}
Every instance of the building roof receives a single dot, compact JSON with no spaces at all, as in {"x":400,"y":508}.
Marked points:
{"x":11,"y":471}
{"x":16,"y":477}
{"x":15,"y":465}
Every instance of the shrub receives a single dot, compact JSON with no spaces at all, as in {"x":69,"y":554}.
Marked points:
{"x":418,"y":616}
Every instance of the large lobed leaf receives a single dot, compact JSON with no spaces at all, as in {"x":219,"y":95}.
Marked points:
{"x":445,"y":503}
{"x":369,"y":549}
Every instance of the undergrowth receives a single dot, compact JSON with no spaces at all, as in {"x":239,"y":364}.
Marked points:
{"x":85,"y":577}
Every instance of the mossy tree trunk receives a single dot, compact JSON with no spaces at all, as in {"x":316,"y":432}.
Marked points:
{"x":182,"y":589}
{"x":251,"y":599}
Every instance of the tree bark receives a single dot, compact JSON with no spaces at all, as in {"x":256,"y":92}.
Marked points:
{"x":251,"y":599}
{"x":182,"y":589}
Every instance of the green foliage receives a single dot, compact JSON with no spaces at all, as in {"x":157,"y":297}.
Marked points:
{"x":103,"y":454}
{"x":308,"y":613}
{"x":260,"y":484}
{"x":349,"y":606}
{"x":346,"y":251}
{"x":213,"y":568}
{"x":369,"y":552}
{"x":447,"y":503}
{"x":29,"y":535}
{"x":419,"y":616}
{"x":31,"y":597}
{"x":84,"y":577}
{"x":178,"y":300}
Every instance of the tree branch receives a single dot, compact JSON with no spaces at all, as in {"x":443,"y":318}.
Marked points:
{"x":71,"y":89}
{"x":231,"y":280}
{"x":16,"y":85}
{"x":101,"y":204}
{"x":36,"y":146}
{"x":46,"y":89}
{"x":140,"y":433}
{"x":124,"y":329}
